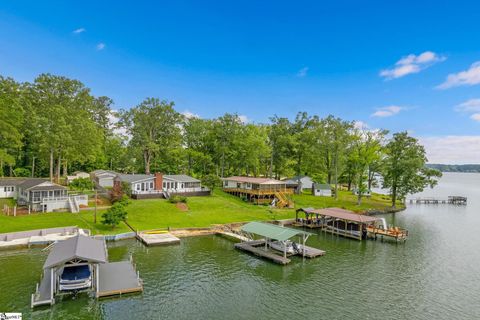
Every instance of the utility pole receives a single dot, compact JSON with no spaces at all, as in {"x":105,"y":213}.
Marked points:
{"x":95,"y":216}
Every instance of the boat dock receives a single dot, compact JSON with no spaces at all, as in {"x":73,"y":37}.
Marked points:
{"x":274,"y":234}
{"x":349,"y":224}
{"x":117,"y":278}
{"x":456,"y":200}
{"x":155,"y":238}
{"x":100,"y":276}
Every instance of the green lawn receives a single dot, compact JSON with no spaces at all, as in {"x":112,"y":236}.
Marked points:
{"x":203,"y":211}
{"x":57,"y":219}
{"x":224,"y":208}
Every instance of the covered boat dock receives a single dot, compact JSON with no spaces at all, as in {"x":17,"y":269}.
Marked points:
{"x":348,"y":224}
{"x":81,"y":264}
{"x":278,"y":237}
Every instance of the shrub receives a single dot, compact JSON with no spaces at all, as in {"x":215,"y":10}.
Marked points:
{"x":114,"y":215}
{"x":81,"y":184}
{"x":177,"y":199}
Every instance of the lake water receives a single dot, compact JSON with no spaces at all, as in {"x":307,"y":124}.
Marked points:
{"x":434,"y":275}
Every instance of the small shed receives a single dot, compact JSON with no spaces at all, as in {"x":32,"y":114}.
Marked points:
{"x":321,"y":189}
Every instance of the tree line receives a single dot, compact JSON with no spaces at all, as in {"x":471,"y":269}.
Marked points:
{"x":55,"y":125}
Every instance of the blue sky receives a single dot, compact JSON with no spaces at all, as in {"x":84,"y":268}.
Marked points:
{"x":381,"y":63}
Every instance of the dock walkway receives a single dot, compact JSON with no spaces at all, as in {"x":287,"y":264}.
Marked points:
{"x":43,"y":294}
{"x":457,"y":200}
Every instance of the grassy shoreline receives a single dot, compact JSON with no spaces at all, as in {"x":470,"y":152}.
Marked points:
{"x":220,"y":208}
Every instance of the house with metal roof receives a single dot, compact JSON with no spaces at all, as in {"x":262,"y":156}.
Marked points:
{"x":159,"y":185}
{"x":81,"y":264}
{"x":300,"y":182}
{"x":259,"y":190}
{"x":40,"y":194}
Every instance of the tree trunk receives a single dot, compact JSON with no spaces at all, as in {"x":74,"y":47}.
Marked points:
{"x":65,"y":168}
{"x":147,"y":159}
{"x":336,"y":177}
{"x":33,"y":167}
{"x":1,"y":168}
{"x":270,"y":172}
{"x":59,"y":166}
{"x":51,"y":165}
{"x":394,"y":196}
{"x":223,"y":163}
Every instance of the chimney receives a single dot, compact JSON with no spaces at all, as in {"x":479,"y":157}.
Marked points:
{"x":158,"y":181}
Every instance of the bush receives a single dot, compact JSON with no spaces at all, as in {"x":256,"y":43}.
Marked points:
{"x":81,"y":184}
{"x":177,"y":199}
{"x":113,"y":216}
{"x":22,"y":172}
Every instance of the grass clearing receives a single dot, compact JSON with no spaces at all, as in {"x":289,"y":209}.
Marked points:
{"x":219,"y":208}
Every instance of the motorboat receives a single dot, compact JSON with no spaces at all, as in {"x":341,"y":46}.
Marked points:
{"x":291,"y":246}
{"x":75,"y":278}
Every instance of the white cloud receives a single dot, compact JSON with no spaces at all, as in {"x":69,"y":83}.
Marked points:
{"x":79,"y":30}
{"x":244,"y":118}
{"x":302,"y":72}
{"x":475,"y":116}
{"x":360,"y":125}
{"x":387,"y":111}
{"x":412,"y":64}
{"x":113,"y":121}
{"x":452,"y":149}
{"x":100,"y":46}
{"x":472,"y":105}
{"x":189,"y":115}
{"x":468,"y":77}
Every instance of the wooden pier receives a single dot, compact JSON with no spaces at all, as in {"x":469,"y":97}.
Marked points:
{"x":456,"y":200}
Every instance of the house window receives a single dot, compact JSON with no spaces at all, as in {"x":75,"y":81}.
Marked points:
{"x":176,"y":185}
{"x":164,"y":185}
{"x":151,"y":185}
{"x":182,"y":185}
{"x":138,"y":187}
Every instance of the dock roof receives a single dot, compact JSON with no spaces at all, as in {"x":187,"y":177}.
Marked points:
{"x":272,"y":231}
{"x":79,"y":247}
{"x":340,"y":214}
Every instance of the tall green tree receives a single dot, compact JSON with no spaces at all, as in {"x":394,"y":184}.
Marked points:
{"x":404,"y":167}
{"x":155,"y":130}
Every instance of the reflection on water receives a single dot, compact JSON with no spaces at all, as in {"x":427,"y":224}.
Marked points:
{"x":434,"y":275}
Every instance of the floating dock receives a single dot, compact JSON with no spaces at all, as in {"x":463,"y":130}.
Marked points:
{"x":281,"y":237}
{"x":152,"y":238}
{"x":117,"y":278}
{"x":456,"y":200}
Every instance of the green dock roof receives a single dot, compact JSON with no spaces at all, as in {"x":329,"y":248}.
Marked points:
{"x":272,"y":231}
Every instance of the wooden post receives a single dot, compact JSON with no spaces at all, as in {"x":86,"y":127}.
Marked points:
{"x":95,"y":214}
{"x":284,"y":249}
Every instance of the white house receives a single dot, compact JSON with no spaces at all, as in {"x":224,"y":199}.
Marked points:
{"x":41,"y":195}
{"x":103,"y":178}
{"x":77,"y":175}
{"x":161,"y":185}
{"x":304,"y":181}
{"x":323,"y":190}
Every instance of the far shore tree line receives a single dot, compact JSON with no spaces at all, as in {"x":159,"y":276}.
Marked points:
{"x":55,"y":125}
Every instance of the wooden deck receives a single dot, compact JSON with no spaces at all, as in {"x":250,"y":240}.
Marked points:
{"x":117,"y":278}
{"x":251,"y":246}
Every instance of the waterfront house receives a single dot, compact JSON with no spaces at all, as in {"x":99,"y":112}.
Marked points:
{"x":259,"y":190}
{"x":103,"y":178}
{"x":41,"y":195}
{"x":159,"y":185}
{"x":321,"y":189}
